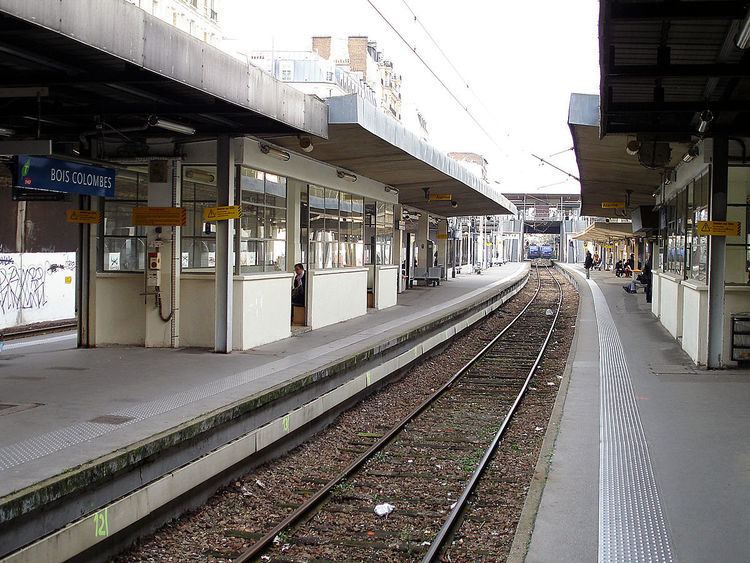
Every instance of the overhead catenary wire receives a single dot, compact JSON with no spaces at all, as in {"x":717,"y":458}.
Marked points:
{"x":452,"y":94}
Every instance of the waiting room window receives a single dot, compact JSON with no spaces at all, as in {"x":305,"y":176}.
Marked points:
{"x":336,"y":229}
{"x":698,"y":255}
{"x":738,"y":209}
{"x":676,"y":211}
{"x":124,"y":245}
{"x":384,"y":229}
{"x":198,"y":238}
{"x":263,"y":223}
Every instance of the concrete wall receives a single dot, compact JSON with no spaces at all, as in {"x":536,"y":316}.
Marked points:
{"x":656,"y":294}
{"x":671,"y":303}
{"x":36,"y":287}
{"x":261,"y":313}
{"x":262,"y":309}
{"x":336,"y":295}
{"x":386,"y":286}
{"x":119,"y":310}
{"x":695,"y":320}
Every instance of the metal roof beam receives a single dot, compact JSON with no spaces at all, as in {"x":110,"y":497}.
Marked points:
{"x":676,"y":107}
{"x":677,"y":10}
{"x":721,"y":70}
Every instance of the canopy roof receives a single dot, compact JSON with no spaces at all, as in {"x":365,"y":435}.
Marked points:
{"x":601,"y":231}
{"x":663,"y":62}
{"x":607,"y":172}
{"x":366,"y":141}
{"x":68,"y":67}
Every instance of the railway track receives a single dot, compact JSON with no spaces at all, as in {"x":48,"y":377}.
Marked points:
{"x":426,"y":467}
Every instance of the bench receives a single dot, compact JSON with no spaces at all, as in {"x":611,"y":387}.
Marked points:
{"x":430,"y":276}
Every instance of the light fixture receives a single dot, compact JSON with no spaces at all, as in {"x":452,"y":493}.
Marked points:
{"x":5,"y":132}
{"x":743,"y":37}
{"x":690,"y":154}
{"x":200,"y":175}
{"x":391,"y":190}
{"x":348,"y":176}
{"x":274,"y":152}
{"x":173,"y":126}
{"x":305,"y":143}
{"x":633,"y":147}
{"x":706,"y":118}
{"x":454,"y":203}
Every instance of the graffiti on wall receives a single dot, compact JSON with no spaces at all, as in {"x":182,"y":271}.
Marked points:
{"x":36,"y":287}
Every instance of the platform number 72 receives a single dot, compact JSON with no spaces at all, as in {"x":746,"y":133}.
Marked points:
{"x":101,"y":524}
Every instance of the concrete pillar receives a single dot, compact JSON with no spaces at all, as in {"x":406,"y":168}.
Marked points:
{"x":442,"y":246}
{"x":224,"y":248}
{"x":717,"y":252}
{"x":423,"y":233}
{"x":399,"y":241}
{"x":162,"y":319}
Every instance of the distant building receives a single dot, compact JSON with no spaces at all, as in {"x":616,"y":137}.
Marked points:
{"x":199,"y":18}
{"x":476,"y":163}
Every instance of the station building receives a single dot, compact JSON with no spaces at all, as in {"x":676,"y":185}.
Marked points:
{"x":668,"y":141}
{"x":339,"y":187}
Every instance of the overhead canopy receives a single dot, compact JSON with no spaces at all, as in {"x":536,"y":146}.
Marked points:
{"x":67,"y":66}
{"x":607,"y":172}
{"x":664,"y":61}
{"x":601,"y":231}
{"x":364,"y":140}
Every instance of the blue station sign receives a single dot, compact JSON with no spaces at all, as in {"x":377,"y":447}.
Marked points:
{"x":52,"y":174}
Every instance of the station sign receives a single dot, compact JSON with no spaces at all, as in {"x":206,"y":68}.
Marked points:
{"x":160,"y":216}
{"x":719,"y":228}
{"x":441,"y":197}
{"x":83,"y":216}
{"x":222,"y":213}
{"x":613,"y":205}
{"x":52,"y":174}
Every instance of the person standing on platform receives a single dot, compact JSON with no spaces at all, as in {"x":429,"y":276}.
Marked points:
{"x":298,"y":286}
{"x":587,"y":263}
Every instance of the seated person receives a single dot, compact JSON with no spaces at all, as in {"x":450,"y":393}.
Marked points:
{"x":628,"y":271}
{"x":619,"y":271}
{"x":298,"y":286}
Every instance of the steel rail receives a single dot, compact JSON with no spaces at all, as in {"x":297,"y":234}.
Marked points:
{"x":260,"y":545}
{"x":433,"y":554}
{"x":17,"y":334}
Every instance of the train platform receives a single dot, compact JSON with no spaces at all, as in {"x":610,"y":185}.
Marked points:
{"x":96,"y":425}
{"x":649,"y":460}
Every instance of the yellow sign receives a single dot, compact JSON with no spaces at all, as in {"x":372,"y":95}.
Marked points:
{"x":222,"y":213}
{"x":68,"y":279}
{"x":441,"y":197}
{"x":613,"y":205}
{"x":160,"y":216}
{"x":442,"y":236}
{"x":719,"y":228}
{"x":83,"y":216}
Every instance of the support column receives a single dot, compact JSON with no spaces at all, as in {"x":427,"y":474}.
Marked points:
{"x":442,"y":246}
{"x":423,"y":233}
{"x":717,"y":252}
{"x":399,"y":254}
{"x":293,"y":223}
{"x":162,"y":301}
{"x":83,"y":273}
{"x":224,"y":248}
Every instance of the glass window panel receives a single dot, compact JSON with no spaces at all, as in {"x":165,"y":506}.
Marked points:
{"x":275,"y":190}
{"x":332,"y":215}
{"x":127,"y":185}
{"x":275,"y":256}
{"x":125,"y":254}
{"x":275,"y":221}
{"x":252,"y":222}
{"x":118,"y":219}
{"x":251,"y":185}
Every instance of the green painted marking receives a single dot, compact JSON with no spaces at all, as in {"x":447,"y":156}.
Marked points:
{"x":101,"y":524}
{"x":25,"y":167}
{"x":285,"y":423}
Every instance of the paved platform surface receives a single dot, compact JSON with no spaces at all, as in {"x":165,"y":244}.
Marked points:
{"x":652,"y":460}
{"x":140,"y":392}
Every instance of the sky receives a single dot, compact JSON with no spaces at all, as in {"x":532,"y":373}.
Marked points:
{"x":518,"y":63}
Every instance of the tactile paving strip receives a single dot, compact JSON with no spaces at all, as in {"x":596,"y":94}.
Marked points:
{"x":45,"y":444}
{"x":632,"y":526}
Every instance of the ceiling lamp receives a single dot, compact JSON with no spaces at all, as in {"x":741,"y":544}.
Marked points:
{"x":690,"y":154}
{"x":274,"y":152}
{"x":706,"y":118}
{"x":348,"y":176}
{"x":743,"y":37}
{"x":173,"y":126}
